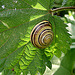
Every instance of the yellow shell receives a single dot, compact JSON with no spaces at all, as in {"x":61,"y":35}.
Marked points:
{"x":42,"y":34}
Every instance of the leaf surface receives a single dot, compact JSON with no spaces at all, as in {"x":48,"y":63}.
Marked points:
{"x":67,"y":64}
{"x":17,"y":19}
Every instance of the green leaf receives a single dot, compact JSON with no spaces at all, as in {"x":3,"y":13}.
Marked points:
{"x":70,"y":3}
{"x":62,"y":71}
{"x":61,"y":40}
{"x":17,"y":69}
{"x":47,"y":62}
{"x":27,"y":57}
{"x":32,"y":59}
{"x":38,"y":63}
{"x":62,"y":37}
{"x":43,"y":4}
{"x":50,"y":51}
{"x":2,"y":61}
{"x":7,"y":72}
{"x":67,"y":64}
{"x":31,"y":2}
{"x":46,"y":3}
{"x":59,"y":3}
{"x":69,"y":59}
{"x":17,"y":18}
{"x":13,"y":58}
{"x":13,"y":4}
{"x":17,"y":28}
{"x":58,"y":53}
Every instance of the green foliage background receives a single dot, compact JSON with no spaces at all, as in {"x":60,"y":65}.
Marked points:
{"x":17,"y":18}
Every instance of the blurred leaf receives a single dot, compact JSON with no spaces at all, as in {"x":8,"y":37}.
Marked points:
{"x":48,"y":63}
{"x":64,"y":2}
{"x":62,"y":71}
{"x":67,"y":64}
{"x":70,"y":3}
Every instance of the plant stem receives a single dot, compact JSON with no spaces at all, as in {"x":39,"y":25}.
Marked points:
{"x":62,"y":8}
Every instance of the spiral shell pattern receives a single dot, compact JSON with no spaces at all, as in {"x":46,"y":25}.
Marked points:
{"x":42,"y":34}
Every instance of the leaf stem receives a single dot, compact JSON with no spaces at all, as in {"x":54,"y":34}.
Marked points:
{"x":61,"y":9}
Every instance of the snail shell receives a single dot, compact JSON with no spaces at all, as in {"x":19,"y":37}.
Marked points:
{"x":42,"y":34}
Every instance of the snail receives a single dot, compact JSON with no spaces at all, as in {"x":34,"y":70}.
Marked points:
{"x":42,"y":35}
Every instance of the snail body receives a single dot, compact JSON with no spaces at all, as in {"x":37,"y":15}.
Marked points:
{"x":42,"y":34}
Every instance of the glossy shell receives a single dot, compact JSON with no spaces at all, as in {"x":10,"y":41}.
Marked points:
{"x":42,"y":34}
